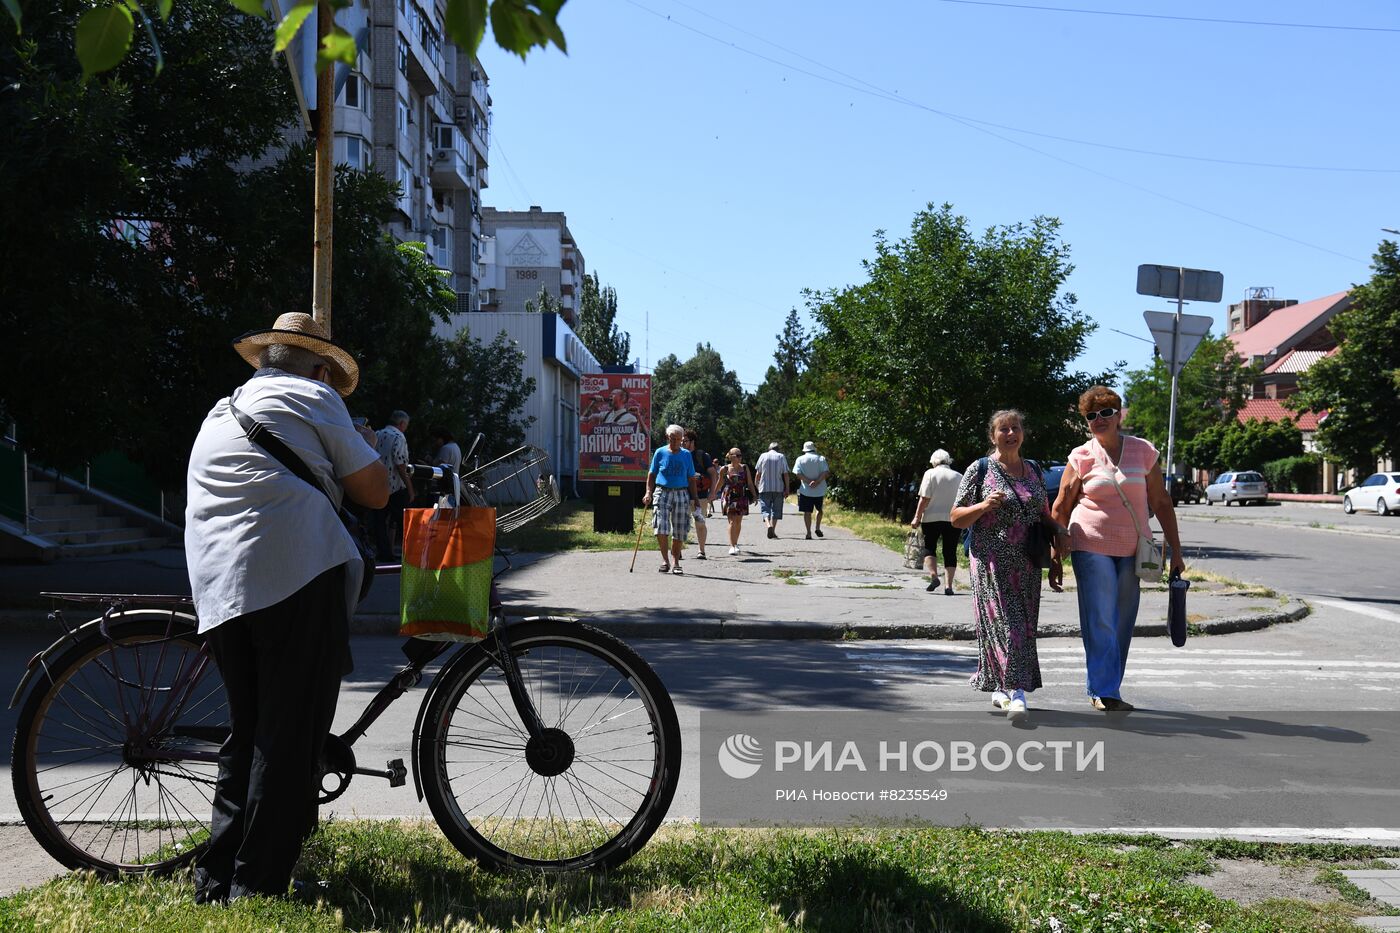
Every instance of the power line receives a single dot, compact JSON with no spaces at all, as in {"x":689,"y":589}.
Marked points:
{"x":982,"y":128}
{"x":896,"y":97}
{"x":1184,"y":19}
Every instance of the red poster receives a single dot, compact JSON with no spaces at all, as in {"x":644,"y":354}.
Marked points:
{"x":614,"y":426}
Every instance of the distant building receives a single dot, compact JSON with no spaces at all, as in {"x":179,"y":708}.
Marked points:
{"x":416,"y":109}
{"x":555,"y":357}
{"x":1287,"y":338}
{"x":525,"y":251}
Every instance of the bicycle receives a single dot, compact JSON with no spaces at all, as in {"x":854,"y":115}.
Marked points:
{"x":548,"y":745}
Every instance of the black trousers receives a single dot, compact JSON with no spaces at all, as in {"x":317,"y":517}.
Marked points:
{"x":281,"y":668}
{"x":385,"y":519}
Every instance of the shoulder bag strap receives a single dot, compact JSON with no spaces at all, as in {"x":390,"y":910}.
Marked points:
{"x":1113,"y":475}
{"x":260,"y":434}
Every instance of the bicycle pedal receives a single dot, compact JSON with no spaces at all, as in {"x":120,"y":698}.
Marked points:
{"x":398,"y":774}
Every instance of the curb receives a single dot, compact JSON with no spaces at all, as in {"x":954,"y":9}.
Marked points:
{"x":709,"y":629}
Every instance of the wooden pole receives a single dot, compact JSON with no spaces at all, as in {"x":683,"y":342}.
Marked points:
{"x":325,"y":175}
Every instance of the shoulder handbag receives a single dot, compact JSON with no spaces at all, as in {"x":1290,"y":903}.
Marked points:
{"x":262,"y":435}
{"x":1147,"y":562}
{"x":1041,"y":534}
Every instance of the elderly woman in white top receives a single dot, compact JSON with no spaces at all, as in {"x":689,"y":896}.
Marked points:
{"x":937,"y":493}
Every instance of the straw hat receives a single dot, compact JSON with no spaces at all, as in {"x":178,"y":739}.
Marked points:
{"x":300,"y":330}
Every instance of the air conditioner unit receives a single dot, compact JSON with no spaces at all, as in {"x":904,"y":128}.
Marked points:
{"x":461,"y":112}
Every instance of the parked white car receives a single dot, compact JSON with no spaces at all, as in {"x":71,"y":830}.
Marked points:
{"x":1242,"y":486}
{"x":1379,"y":491}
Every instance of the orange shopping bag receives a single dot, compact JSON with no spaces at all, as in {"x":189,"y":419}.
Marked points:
{"x":445,"y":587}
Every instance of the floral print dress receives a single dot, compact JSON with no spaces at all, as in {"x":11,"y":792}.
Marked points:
{"x":1005,"y":584}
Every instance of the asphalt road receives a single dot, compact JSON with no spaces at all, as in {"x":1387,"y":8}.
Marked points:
{"x":1345,"y":657}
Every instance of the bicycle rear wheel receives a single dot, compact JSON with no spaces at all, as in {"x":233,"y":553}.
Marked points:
{"x":590,"y":792}
{"x":116,"y":751}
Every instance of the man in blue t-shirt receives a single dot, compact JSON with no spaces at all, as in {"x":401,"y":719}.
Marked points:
{"x":672,"y":494}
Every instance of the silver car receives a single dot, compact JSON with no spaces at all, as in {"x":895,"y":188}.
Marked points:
{"x":1379,"y":491}
{"x":1242,"y":486}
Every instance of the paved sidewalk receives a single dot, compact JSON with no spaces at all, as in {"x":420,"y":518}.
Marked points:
{"x":835,"y":587}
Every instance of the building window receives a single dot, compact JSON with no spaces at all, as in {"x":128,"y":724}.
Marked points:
{"x":350,"y":94}
{"x":403,"y":56}
{"x":354,"y":151}
{"x":405,"y":179}
{"x":403,"y":117}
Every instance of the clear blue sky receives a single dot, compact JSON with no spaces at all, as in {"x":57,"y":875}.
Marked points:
{"x":710,"y":180}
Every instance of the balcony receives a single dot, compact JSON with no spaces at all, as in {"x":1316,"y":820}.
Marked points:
{"x":482,"y":180}
{"x":423,"y":65}
{"x":451,"y":160}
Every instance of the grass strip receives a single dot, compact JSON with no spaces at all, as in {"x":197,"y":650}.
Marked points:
{"x":393,"y":875}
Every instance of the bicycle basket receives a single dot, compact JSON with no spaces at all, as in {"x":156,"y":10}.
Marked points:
{"x":520,"y":486}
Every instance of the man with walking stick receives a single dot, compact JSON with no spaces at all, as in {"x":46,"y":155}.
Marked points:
{"x":671,"y":493}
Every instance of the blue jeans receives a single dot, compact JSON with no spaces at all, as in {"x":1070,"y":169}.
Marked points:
{"x":1108,"y":607}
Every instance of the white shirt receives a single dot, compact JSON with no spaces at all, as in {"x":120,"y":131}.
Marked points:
{"x":450,"y":454}
{"x":809,"y":467}
{"x":940,"y":487}
{"x":770,"y":470}
{"x":255,"y":532}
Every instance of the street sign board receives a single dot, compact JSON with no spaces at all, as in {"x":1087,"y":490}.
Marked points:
{"x":301,"y":53}
{"x":1193,"y":328}
{"x":1167,"y":282}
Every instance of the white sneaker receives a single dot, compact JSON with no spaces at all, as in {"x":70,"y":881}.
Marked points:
{"x":1000,"y":699}
{"x":733,"y":551}
{"x":1016,"y":710}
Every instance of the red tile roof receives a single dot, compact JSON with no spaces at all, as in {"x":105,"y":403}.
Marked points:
{"x":1271,"y":409}
{"x":1285,"y":327}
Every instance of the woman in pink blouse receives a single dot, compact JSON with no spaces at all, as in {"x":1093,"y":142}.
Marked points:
{"x":1103,"y":537}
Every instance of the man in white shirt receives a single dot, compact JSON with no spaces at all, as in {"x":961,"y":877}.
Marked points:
{"x":274,"y":574}
{"x":811,"y":470}
{"x":771,"y":471}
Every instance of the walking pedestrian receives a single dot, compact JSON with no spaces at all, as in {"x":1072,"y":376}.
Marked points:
{"x":1001,"y":498}
{"x":1107,"y":489}
{"x":737,"y":491}
{"x":811,"y":470}
{"x":393,"y":453}
{"x":274,"y":574}
{"x":705,"y":482}
{"x":671,"y":493}
{"x":937,"y":493}
{"x":772,"y":471}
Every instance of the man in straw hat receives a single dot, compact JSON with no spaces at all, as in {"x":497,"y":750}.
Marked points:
{"x":274,"y":574}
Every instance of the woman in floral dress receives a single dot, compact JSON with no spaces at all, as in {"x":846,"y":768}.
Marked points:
{"x":737,"y":492}
{"x":1001,"y":497}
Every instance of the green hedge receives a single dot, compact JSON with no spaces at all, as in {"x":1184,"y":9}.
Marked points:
{"x":1293,"y":474}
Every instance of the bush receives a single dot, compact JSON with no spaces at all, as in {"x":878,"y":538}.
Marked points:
{"x":1292,"y":474}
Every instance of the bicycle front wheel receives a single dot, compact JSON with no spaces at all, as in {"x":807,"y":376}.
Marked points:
{"x":116,"y":750}
{"x":590,"y":791}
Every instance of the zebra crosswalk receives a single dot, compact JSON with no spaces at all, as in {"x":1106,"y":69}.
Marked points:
{"x":1154,"y":668}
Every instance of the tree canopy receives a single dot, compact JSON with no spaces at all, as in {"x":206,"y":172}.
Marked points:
{"x":948,"y":328}
{"x":698,"y":393}
{"x":767,"y":414}
{"x":1213,"y":386}
{"x":143,"y":252}
{"x":1358,"y":387}
{"x":597,"y":323}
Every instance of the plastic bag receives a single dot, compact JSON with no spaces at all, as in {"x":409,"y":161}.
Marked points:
{"x":445,"y":587}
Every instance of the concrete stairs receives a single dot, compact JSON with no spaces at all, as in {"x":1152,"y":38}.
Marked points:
{"x":80,"y":524}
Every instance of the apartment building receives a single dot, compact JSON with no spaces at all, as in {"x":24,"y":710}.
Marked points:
{"x":524,"y":251}
{"x":418,"y":110}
